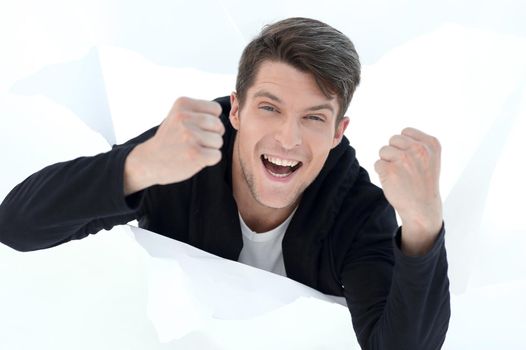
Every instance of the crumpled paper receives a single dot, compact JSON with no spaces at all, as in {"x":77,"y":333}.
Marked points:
{"x":198,"y":298}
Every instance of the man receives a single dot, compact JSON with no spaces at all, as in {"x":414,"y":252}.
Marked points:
{"x":266,"y":177}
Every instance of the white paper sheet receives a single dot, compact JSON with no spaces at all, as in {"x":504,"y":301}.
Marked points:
{"x":194,"y":292}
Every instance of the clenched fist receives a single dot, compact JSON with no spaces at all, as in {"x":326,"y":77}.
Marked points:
{"x":189,"y":139}
{"x":409,"y":171}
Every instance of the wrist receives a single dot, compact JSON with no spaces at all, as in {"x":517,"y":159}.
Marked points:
{"x":417,"y":238}
{"x":136,"y":171}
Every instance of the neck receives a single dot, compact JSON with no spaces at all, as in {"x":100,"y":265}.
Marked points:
{"x":262,"y":219}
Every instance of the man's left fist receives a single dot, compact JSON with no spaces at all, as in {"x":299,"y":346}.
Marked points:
{"x":409,"y":170}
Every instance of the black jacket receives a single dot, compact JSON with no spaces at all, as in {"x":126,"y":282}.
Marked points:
{"x":343,"y":239}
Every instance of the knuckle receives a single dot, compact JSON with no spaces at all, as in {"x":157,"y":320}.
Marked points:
{"x":213,"y":123}
{"x":179,"y":115}
{"x":406,"y":159}
{"x":207,"y":156}
{"x":182,"y":102}
{"x":215,"y":107}
{"x":221,"y":128}
{"x":380,"y":167}
{"x":215,"y":156}
{"x":218,"y":140}
{"x":209,"y":122}
{"x":193,"y":152}
{"x":216,"y":123}
{"x":187,"y":136}
{"x":436,"y":143}
{"x":419,"y":149}
{"x":185,"y":116}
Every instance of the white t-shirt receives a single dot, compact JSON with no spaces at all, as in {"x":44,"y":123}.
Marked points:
{"x":263,"y":250}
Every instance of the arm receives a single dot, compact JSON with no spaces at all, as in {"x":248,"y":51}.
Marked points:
{"x":409,"y":170}
{"x":72,"y":199}
{"x":69,"y":200}
{"x":405,"y":306}
{"x":396,"y":301}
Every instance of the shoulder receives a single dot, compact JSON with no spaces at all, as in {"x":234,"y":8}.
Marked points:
{"x":224,"y":101}
{"x":225,"y":108}
{"x":363,"y":198}
{"x":364,"y":216}
{"x":364,"y":201}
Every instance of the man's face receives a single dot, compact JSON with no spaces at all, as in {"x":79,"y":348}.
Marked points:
{"x":286,"y":129}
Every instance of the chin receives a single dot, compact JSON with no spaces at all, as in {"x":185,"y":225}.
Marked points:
{"x":277,"y":201}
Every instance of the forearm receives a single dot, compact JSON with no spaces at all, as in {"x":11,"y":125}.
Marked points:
{"x":418,"y":239}
{"x":396,"y":301}
{"x":137,"y":175}
{"x":65,"y":201}
{"x":417,"y":310}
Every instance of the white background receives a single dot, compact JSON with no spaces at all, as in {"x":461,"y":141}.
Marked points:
{"x":78,"y":76}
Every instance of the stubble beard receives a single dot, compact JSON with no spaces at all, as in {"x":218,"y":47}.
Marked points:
{"x":249,"y":179}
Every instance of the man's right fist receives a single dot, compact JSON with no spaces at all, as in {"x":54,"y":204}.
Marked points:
{"x":189,"y":139}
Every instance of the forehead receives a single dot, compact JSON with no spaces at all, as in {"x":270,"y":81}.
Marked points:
{"x":291,"y":85}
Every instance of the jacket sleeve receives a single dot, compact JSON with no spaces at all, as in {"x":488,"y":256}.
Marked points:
{"x":396,"y":301}
{"x":70,"y":200}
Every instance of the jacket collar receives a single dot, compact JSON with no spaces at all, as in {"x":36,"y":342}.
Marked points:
{"x":311,"y":223}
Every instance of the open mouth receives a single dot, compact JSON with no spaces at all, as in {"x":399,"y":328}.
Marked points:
{"x":280,"y":168}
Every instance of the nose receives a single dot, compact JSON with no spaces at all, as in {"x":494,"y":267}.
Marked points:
{"x":289,"y":134}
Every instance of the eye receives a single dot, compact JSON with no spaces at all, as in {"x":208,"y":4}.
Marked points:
{"x":268,"y":108}
{"x":315,"y":118}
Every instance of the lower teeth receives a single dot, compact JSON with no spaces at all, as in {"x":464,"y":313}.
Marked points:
{"x":279,"y":175}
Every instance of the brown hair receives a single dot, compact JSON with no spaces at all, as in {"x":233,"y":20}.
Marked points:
{"x":309,"y":46}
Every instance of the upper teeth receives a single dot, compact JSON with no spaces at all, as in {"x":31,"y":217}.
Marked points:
{"x":282,"y":162}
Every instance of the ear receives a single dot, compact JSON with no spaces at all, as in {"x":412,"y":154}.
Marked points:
{"x":338,"y":135}
{"x":234,"y":110}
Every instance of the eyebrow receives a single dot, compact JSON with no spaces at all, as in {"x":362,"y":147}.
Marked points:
{"x":264,"y":93}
